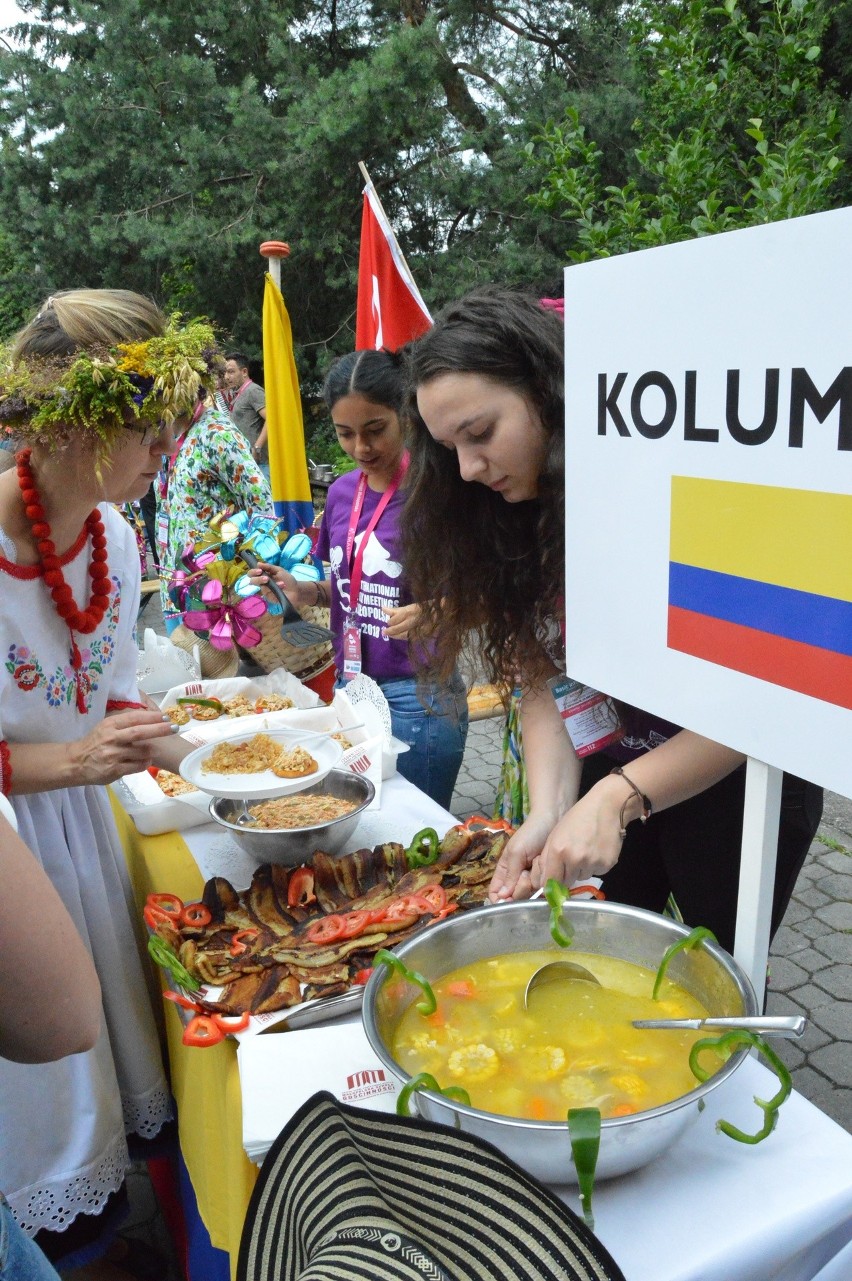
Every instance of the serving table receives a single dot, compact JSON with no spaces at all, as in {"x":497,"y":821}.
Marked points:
{"x":710,"y":1209}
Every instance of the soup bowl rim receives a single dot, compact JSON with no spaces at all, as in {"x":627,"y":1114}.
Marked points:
{"x":382,"y":972}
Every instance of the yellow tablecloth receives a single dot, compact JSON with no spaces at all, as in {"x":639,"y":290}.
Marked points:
{"x":205,"y":1082}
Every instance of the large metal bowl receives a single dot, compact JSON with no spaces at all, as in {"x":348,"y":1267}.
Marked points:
{"x":611,"y":929}
{"x":293,"y":846}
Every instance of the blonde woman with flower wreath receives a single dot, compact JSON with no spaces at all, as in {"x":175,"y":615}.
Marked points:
{"x":93,"y":386}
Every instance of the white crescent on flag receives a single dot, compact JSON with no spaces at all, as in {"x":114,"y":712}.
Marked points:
{"x":391,"y":311}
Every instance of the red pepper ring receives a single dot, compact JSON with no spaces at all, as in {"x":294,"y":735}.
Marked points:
{"x":203,"y":1030}
{"x":232,"y":1023}
{"x":196,"y":914}
{"x":300,"y":887}
{"x":238,"y":940}
{"x":591,"y":890}
{"x":169,"y":903}
{"x":154,"y":916}
{"x":183,"y":1001}
{"x":490,"y":824}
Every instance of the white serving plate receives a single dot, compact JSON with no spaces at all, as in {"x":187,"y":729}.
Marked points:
{"x":326,"y":752}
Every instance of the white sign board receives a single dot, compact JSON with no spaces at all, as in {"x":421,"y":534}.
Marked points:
{"x":709,"y":488}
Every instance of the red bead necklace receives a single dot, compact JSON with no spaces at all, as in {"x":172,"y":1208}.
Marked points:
{"x":86,"y":620}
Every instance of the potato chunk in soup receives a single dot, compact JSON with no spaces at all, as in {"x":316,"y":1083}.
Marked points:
{"x":575,"y":1047}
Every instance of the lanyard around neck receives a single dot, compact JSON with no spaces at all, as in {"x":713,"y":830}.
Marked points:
{"x":356,"y":566}
{"x":244,"y":387}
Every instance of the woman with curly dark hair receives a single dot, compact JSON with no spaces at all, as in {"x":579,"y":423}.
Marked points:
{"x":484,"y":546}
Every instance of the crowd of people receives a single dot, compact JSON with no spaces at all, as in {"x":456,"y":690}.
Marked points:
{"x":449,"y":527}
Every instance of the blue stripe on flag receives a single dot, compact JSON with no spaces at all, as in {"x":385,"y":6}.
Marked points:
{"x":295,"y":514}
{"x":822,"y":621}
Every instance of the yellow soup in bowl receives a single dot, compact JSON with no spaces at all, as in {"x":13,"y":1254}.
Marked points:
{"x":575,"y":1047}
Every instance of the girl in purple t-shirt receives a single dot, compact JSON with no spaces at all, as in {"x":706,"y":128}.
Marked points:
{"x":371,"y":607}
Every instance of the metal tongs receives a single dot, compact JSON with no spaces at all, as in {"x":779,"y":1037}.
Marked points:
{"x":296,"y":630}
{"x":790,"y":1025}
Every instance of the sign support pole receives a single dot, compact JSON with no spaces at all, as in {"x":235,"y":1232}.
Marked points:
{"x":761,"y":816}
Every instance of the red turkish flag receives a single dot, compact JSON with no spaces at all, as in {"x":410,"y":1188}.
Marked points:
{"x":391,"y":311}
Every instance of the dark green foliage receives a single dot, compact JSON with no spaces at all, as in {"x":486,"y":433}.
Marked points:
{"x":735,"y":126}
{"x":154,"y":145}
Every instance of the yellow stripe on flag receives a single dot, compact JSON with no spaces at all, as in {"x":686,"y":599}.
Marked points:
{"x":287,"y":461}
{"x":790,"y":537}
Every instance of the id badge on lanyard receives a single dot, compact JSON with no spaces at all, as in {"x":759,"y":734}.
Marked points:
{"x":351,"y":648}
{"x":163,"y":530}
{"x":590,"y":718}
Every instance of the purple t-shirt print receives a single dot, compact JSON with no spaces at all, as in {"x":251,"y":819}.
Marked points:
{"x":383,"y":585}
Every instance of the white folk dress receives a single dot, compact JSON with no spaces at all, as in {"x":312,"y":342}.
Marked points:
{"x":62,"y":1125}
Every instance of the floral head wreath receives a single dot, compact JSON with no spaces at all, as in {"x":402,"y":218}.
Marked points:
{"x":102,"y":389}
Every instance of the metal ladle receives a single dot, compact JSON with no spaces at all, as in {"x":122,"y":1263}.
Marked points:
{"x":556,"y":972}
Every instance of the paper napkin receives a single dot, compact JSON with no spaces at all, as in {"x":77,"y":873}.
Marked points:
{"x":279,"y":1071}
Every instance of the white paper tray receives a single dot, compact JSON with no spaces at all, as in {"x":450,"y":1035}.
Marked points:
{"x":153,"y":812}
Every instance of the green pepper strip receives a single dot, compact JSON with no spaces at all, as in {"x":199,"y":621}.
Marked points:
{"x":723,"y":1045}
{"x":163,"y":955}
{"x":424,"y":849}
{"x":425,"y":1081}
{"x":685,"y":944}
{"x":197,"y":701}
{"x":584,"y":1131}
{"x":557,"y":895}
{"x":428,"y":1005}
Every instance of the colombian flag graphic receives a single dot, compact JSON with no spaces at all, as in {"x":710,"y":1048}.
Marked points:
{"x":760,"y":581}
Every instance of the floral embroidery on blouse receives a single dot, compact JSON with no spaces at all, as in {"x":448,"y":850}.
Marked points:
{"x":60,"y":687}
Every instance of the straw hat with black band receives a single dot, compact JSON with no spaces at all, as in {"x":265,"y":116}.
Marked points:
{"x":351,"y":1195}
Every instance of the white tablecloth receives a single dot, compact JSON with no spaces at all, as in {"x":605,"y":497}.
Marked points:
{"x":710,"y":1209}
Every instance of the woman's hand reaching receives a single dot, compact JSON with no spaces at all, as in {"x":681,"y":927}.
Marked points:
{"x":585,"y":841}
{"x":122,"y":743}
{"x":511,"y":877}
{"x":297,"y":592}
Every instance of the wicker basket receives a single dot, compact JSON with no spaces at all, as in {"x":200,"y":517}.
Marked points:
{"x":274,"y":652}
{"x":216,"y":664}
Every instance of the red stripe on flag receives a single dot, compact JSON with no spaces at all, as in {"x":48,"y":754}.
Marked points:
{"x":818,"y":672}
{"x":390,"y":310}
